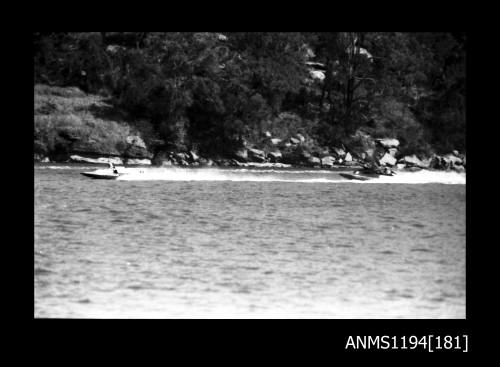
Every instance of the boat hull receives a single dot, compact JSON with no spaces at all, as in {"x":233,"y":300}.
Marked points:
{"x":352,"y":176}
{"x":101,"y":176}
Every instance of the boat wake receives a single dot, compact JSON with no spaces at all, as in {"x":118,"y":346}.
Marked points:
{"x":422,"y":177}
{"x":211,"y":174}
{"x":266,"y":175}
{"x":323,"y":176}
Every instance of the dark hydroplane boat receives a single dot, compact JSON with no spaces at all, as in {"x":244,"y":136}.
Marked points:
{"x":357,"y":176}
{"x":368,"y":174}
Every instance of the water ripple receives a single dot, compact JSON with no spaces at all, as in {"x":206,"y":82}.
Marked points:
{"x":173,"y":248}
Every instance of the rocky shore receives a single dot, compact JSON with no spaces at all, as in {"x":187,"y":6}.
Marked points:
{"x":71,"y":126}
{"x":291,"y":152}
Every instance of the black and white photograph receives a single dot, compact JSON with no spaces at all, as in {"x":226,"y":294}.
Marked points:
{"x":249,"y":175}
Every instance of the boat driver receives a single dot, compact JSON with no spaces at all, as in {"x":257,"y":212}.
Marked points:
{"x":113,"y":168}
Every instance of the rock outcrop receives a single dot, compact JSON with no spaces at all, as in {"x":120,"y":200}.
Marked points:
{"x":90,"y":146}
{"x":453,"y":160}
{"x":412,"y":161}
{"x":339,"y":152}
{"x":136,"y":161}
{"x":241,"y":154}
{"x":314,"y":161}
{"x":275,"y":156}
{"x":296,"y":155}
{"x":447,"y":162}
{"x":206,"y":162}
{"x":387,"y":160}
{"x":392,"y":152}
{"x":327,"y":161}
{"x":79,"y":131}
{"x":193,"y":157}
{"x":388,"y":143}
{"x":256,"y":155}
{"x":136,"y":148}
{"x":300,"y":137}
{"x":100,"y":160}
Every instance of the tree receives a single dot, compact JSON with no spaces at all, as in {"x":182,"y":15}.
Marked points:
{"x":442,"y":110}
{"x":213,"y":91}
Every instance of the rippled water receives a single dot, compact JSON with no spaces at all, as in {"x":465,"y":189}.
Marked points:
{"x":228,"y":243}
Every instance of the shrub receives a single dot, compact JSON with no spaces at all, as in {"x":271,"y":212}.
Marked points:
{"x":67,"y":92}
{"x":61,"y":120}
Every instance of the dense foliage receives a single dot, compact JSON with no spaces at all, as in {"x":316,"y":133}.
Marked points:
{"x":212,"y":91}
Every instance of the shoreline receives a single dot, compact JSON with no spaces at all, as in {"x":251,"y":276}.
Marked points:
{"x":72,"y":126}
{"x":257,"y":166}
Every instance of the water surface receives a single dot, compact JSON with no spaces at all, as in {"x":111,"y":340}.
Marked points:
{"x":247,"y":243}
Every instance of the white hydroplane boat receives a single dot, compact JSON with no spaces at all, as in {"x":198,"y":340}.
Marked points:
{"x":103,"y":174}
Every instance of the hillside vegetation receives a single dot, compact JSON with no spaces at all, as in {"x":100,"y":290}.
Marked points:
{"x":68,"y":120}
{"x":152,"y":95}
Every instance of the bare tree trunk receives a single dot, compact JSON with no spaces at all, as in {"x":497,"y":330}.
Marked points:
{"x":322,"y":96}
{"x":352,"y":64}
{"x":326,"y":83}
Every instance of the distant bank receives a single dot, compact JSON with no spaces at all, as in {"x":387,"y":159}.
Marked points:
{"x":72,"y":126}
